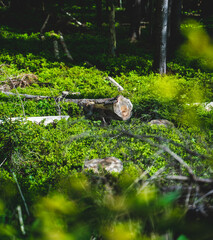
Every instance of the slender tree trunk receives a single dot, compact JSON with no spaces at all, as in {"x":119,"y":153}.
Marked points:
{"x":161,"y":37}
{"x":112,"y":28}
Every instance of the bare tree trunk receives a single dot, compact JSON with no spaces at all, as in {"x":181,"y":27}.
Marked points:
{"x":161,"y":37}
{"x":112,"y":28}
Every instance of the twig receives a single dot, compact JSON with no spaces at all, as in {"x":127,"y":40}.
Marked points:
{"x":204,"y":196}
{"x":22,"y":105}
{"x":65,"y":46}
{"x":184,"y":178}
{"x":21,"y":219}
{"x":120,"y":88}
{"x":151,"y":178}
{"x":188,"y":196}
{"x":74,"y":19}
{"x":22,"y":196}
{"x":3,"y":162}
{"x":179,"y":159}
{"x":166,"y":149}
{"x":145,"y":172}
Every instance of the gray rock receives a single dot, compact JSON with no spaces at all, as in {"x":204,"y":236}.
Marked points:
{"x":110,"y":164}
{"x":162,"y":122}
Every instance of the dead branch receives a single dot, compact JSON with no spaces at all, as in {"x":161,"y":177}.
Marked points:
{"x":187,"y":179}
{"x":179,"y":159}
{"x":204,"y":196}
{"x":27,"y":96}
{"x":46,"y":120}
{"x":120,"y":88}
{"x":21,"y":219}
{"x":20,"y":191}
{"x":3,"y":160}
{"x":154,"y":176}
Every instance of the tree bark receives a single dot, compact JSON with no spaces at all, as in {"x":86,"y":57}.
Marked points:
{"x":161,"y":37}
{"x":119,"y":108}
{"x":112,"y":28}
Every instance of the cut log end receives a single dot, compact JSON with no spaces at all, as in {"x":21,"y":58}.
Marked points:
{"x":123,"y":108}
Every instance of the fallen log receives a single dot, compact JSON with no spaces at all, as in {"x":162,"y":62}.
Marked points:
{"x":118,"y":108}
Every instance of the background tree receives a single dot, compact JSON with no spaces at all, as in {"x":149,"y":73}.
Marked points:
{"x":161,"y":34}
{"x":112,"y":28}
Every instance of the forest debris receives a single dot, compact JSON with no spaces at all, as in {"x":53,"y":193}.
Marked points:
{"x":118,"y":108}
{"x":22,"y":80}
{"x":5,"y":88}
{"x":21,"y":220}
{"x":120,"y":88}
{"x":110,"y":164}
{"x":185,"y":179}
{"x":67,"y":93}
{"x":27,"y":96}
{"x":46,"y":119}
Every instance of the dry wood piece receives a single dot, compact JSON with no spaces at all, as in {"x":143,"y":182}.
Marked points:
{"x":110,"y":164}
{"x":22,"y":80}
{"x":27,"y":96}
{"x":119,"y":108}
{"x":115,"y":83}
{"x":46,"y":120}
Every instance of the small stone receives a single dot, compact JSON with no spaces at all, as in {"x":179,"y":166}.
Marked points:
{"x":110,"y":164}
{"x":162,"y":122}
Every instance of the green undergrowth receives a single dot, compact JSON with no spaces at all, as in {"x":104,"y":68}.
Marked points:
{"x":40,"y":155}
{"x":153,"y":96}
